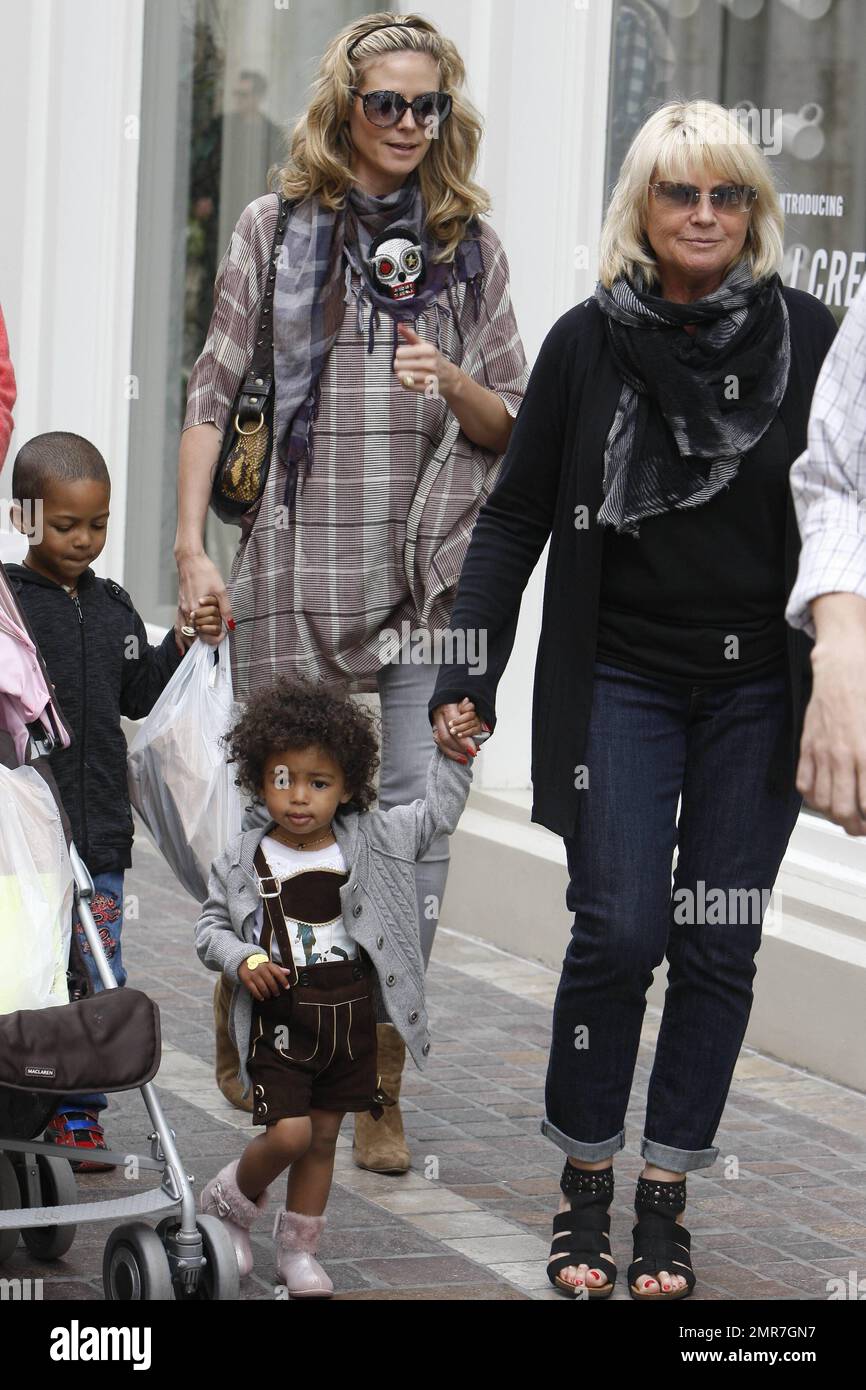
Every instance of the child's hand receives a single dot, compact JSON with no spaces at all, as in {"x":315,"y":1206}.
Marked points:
{"x":206,"y":617}
{"x":268,"y":980}
{"x":467,"y":723}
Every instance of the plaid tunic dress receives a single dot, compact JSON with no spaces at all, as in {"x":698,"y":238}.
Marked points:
{"x":384,"y":514}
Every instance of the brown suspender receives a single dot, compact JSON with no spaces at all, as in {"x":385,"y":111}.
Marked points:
{"x":273,"y":917}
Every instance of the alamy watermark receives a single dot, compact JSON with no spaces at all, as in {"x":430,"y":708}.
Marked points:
{"x":421,"y":646}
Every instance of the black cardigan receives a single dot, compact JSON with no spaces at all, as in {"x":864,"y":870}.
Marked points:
{"x":555,"y":463}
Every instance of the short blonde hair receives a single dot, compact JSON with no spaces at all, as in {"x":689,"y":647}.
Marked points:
{"x":320,"y":149}
{"x":680,"y":140}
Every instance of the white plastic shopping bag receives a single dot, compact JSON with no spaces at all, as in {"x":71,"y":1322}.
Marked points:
{"x":35,"y":894}
{"x":179,"y":781}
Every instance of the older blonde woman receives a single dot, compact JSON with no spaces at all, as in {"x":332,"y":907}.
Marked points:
{"x":398,"y":370}
{"x":653,"y":447}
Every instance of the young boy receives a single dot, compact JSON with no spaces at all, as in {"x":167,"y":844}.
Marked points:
{"x":95,"y":647}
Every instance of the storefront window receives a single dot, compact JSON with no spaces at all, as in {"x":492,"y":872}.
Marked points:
{"x":223,"y":81}
{"x":796,"y":69}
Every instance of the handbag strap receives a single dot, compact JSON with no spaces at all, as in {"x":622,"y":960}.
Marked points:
{"x":259,"y":382}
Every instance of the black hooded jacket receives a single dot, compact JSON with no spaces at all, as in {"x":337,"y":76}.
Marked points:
{"x":102,"y":667}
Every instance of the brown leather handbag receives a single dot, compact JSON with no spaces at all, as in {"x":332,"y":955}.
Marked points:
{"x":242,"y":469}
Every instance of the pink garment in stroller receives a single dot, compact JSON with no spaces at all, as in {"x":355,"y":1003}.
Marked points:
{"x":25,"y":691}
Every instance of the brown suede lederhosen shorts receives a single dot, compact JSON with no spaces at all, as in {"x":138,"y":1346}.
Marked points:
{"x":314,"y":1046}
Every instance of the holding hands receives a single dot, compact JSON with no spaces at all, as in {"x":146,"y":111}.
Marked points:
{"x":458,"y":730}
{"x":205,"y":621}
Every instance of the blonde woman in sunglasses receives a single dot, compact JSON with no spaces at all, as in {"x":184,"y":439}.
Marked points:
{"x":398,"y":370}
{"x":653,"y":448}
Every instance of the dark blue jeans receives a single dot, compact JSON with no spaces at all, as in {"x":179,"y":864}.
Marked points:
{"x":648,"y":745}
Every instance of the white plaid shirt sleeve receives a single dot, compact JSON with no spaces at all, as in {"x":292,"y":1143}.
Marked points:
{"x":828,"y":481}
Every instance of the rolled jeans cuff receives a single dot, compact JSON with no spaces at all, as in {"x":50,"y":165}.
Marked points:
{"x":676,"y":1160}
{"x":587,"y":1153}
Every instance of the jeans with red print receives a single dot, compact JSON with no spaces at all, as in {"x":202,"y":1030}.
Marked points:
{"x":106,"y":906}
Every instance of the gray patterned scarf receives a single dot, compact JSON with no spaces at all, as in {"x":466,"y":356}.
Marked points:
{"x":691,"y":404}
{"x":314,"y":284}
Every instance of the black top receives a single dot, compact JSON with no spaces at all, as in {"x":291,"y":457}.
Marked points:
{"x":554,"y":464}
{"x":102,"y":667}
{"x":715,"y":615}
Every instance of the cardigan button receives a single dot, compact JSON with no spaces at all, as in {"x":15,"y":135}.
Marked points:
{"x":425,"y":1049}
{"x":391,"y":980}
{"x":413,"y":1017}
{"x":380,"y":942}
{"x":357,"y":910}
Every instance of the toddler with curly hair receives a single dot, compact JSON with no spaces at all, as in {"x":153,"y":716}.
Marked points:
{"x":312,"y":916}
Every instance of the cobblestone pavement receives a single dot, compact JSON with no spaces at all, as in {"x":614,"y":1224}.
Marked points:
{"x":782,"y":1213}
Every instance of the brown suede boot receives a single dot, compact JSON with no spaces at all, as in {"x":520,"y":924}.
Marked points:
{"x":380,"y":1145}
{"x":226,"y":1052}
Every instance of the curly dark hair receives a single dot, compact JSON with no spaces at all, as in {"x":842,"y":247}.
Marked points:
{"x":301,"y":713}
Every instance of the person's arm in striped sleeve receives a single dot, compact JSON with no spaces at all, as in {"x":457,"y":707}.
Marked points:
{"x":828,"y":600}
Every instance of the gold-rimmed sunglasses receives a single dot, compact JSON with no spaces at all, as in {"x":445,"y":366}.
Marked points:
{"x":726,"y":197}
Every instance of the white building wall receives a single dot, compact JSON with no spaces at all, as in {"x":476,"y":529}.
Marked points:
{"x":69,"y":103}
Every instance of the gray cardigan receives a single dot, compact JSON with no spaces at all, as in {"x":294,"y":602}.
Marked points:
{"x":379,"y":901}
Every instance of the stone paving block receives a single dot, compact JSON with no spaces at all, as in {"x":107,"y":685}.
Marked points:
{"x":490,"y":1250}
{"x":462,"y":1224}
{"x":376,"y":1243}
{"x":529,"y":1274}
{"x":414,"y":1270}
{"x":480,"y":1192}
{"x":436,"y":1293}
{"x":416,"y":1203}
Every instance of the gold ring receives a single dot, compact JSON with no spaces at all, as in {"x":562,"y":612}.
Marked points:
{"x":408,"y":379}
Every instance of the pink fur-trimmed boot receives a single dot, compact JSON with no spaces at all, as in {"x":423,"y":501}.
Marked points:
{"x":223,"y":1198}
{"x":296,"y":1238}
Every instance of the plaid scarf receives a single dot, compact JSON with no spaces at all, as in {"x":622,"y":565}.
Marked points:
{"x":691,"y":405}
{"x":313,"y":286}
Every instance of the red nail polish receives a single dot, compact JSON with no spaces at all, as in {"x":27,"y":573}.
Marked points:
{"x":464,"y":760}
{"x":231,"y":624}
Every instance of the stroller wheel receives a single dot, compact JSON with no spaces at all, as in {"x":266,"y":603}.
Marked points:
{"x":219,"y":1281}
{"x":135,"y":1266}
{"x":58,"y":1189}
{"x":9,"y":1200}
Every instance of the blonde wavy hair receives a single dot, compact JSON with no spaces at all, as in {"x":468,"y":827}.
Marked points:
{"x":680,"y":140}
{"x":320,"y":147}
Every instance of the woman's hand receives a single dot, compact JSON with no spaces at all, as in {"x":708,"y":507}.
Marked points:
{"x":421,"y":368}
{"x":481,"y":414}
{"x":200,"y":581}
{"x":268,"y":980}
{"x":453,"y":726}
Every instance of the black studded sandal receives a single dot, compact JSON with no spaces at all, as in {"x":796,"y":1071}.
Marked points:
{"x":582,"y":1234}
{"x":660,"y":1242}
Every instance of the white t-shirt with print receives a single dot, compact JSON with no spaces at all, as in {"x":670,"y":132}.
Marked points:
{"x":318,"y":943}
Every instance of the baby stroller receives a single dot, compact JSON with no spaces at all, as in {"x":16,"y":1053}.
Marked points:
{"x":187,"y":1256}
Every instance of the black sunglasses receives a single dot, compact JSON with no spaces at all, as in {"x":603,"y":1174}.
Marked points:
{"x":387,"y":108}
{"x":729,"y":197}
